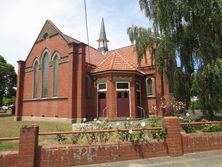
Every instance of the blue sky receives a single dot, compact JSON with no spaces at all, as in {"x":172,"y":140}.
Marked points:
{"x":22,"y":20}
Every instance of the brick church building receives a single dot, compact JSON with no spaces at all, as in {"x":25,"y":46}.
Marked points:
{"x":65,"y":79}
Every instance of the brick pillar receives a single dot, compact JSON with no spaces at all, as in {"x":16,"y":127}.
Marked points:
{"x":111,"y":98}
{"x":19,"y":91}
{"x":173,"y":138}
{"x":78,"y":82}
{"x":133,"y":98}
{"x":28,"y":144}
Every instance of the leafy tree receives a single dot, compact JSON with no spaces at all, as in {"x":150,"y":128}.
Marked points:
{"x":208,"y":85}
{"x":193,"y":29}
{"x":143,"y":39}
{"x":7,"y":79}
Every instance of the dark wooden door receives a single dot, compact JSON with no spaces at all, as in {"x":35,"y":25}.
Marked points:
{"x":102,"y":104}
{"x":123,"y":109}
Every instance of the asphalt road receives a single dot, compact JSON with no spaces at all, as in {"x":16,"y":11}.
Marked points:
{"x":201,"y":159}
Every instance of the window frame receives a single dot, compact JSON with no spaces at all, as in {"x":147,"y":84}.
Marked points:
{"x":35,"y":78}
{"x":55,"y":75}
{"x":102,"y":90}
{"x":152,"y":87}
{"x":87,"y":87}
{"x":120,"y":89}
{"x":45,"y":73}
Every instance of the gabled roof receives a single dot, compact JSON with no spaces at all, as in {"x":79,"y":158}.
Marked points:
{"x":50,"y":29}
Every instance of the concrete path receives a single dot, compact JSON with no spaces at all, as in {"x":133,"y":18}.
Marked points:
{"x":202,"y":159}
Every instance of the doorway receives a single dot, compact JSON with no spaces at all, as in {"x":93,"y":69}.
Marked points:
{"x":101,"y":87}
{"x":123,"y":99}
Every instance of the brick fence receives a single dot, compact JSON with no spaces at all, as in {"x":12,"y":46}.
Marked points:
{"x":30,"y":154}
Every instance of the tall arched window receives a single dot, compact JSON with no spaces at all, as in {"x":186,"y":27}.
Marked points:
{"x":87,"y":86}
{"x":55,"y":75}
{"x":35,"y":84}
{"x":45,"y":70}
{"x":149,"y":84}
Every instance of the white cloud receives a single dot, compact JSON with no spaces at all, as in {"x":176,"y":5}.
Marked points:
{"x":22,"y":20}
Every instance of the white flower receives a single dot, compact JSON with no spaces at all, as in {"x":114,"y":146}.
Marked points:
{"x":181,"y":118}
{"x":84,"y":119}
{"x":130,"y":131}
{"x":187,"y":114}
{"x":94,"y":119}
{"x":143,"y":124}
{"x":127,"y":119}
{"x":98,"y":122}
{"x":131,"y":123}
{"x":117,"y":124}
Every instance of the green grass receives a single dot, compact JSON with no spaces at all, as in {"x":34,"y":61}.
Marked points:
{"x":11,"y":128}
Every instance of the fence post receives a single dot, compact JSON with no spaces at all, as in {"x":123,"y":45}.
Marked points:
{"x":173,"y":138}
{"x":28,"y":145}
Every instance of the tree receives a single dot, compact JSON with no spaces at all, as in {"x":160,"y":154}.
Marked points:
{"x":192,"y":28}
{"x":7,"y":79}
{"x":208,"y":86}
{"x":143,"y":39}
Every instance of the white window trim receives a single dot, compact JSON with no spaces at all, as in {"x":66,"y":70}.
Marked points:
{"x":123,"y":89}
{"x":101,"y":90}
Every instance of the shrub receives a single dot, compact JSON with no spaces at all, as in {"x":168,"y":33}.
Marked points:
{"x":155,"y":122}
{"x":187,"y":119}
{"x":172,"y":106}
{"x":159,"y":134}
{"x":96,"y":137}
{"x":211,"y":127}
{"x":133,"y":136}
{"x":196,"y":105}
{"x":60,"y":137}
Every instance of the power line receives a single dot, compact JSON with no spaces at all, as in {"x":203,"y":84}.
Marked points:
{"x":87,"y":32}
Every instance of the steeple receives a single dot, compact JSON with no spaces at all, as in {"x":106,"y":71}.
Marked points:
{"x":103,"y":47}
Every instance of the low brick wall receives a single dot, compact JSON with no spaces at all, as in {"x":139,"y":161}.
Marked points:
{"x":68,"y":155}
{"x":30,"y":154}
{"x":8,"y":158}
{"x":201,"y":142}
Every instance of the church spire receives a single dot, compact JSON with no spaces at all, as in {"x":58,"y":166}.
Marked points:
{"x":103,"y":47}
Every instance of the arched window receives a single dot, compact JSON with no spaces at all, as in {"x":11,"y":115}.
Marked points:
{"x":35,"y":84}
{"x":55,"y":75}
{"x":149,"y":84}
{"x":45,"y":70}
{"x":87,"y":86}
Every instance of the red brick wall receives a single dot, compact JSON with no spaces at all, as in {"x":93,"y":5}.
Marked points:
{"x":202,"y":142}
{"x":49,"y":107}
{"x":8,"y":158}
{"x":31,"y":154}
{"x":68,"y":155}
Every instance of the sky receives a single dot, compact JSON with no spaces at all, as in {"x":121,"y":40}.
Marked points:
{"x":21,"y":22}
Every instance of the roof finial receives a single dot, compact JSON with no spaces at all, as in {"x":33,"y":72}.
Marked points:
{"x":103,"y":47}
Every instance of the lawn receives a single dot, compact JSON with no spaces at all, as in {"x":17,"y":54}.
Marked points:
{"x":11,"y":128}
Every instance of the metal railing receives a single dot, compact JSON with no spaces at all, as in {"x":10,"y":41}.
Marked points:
{"x":142,"y":112}
{"x":9,"y":138}
{"x":200,"y":123}
{"x":83,"y":132}
{"x":98,"y":131}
